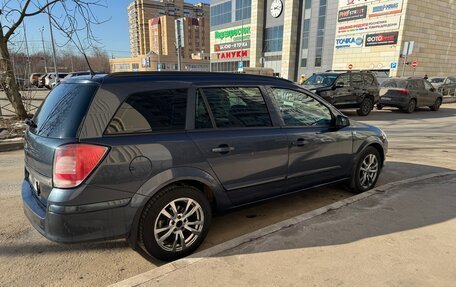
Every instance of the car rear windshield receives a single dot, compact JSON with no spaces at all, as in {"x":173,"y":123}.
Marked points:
{"x":62,"y":111}
{"x":394,"y":84}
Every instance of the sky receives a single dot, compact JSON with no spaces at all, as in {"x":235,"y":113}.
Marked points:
{"x":113,"y":34}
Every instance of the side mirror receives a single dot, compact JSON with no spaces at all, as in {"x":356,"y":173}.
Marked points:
{"x":342,"y":121}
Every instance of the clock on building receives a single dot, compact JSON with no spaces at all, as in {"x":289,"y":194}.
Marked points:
{"x":276,"y":8}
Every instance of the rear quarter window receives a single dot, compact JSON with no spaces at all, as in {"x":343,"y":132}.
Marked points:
{"x":63,"y":110}
{"x":152,"y":111}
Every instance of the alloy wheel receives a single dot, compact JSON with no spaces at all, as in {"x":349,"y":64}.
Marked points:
{"x":179,"y":224}
{"x":368,"y":171}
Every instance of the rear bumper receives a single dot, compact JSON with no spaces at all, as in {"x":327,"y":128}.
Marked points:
{"x":398,"y":102}
{"x":76,"y":224}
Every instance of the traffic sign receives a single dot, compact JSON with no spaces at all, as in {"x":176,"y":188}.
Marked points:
{"x":393,"y":65}
{"x":350,"y":66}
{"x":414,"y":64}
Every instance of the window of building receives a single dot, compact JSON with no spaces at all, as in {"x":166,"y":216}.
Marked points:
{"x":135,"y":67}
{"x":320,"y":33}
{"x":273,"y":39}
{"x":299,"y":109}
{"x":122,"y":67}
{"x":243,"y":9}
{"x":154,"y":111}
{"x":237,"y":107}
{"x":221,"y":14}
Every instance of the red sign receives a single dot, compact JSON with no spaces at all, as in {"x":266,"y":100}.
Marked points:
{"x":414,"y":64}
{"x":350,"y":66}
{"x":232,"y":54}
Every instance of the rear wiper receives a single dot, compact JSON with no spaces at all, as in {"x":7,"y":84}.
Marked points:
{"x":30,"y":123}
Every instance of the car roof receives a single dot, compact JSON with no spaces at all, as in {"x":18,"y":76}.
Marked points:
{"x":195,"y":77}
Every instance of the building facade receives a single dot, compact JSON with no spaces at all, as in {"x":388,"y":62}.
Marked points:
{"x":152,"y":37}
{"x":292,"y":37}
{"x":374,"y":35}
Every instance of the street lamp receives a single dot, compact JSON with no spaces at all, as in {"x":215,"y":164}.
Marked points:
{"x":44,"y":49}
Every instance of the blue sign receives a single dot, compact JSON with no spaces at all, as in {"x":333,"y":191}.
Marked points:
{"x":240,"y":65}
{"x":394,"y":65}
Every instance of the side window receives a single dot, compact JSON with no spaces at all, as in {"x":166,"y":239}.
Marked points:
{"x":428,"y":85}
{"x":299,"y":109}
{"x":202,"y":119}
{"x":369,"y":80}
{"x":420,"y":84}
{"x":343,"y":80}
{"x":153,"y":111}
{"x":237,"y":107}
{"x":357,"y":81}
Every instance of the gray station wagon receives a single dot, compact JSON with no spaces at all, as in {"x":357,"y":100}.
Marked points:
{"x":150,"y":157}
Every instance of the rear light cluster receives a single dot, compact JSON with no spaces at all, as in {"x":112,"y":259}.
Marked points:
{"x":73,"y":163}
{"x":403,"y":92}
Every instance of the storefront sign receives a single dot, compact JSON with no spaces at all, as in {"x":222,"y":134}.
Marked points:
{"x":232,"y":46}
{"x":233,"y":33}
{"x":385,"y":8}
{"x":232,"y":55}
{"x":353,"y":13}
{"x":370,"y":25}
{"x":349,"y":42}
{"x":381,"y":39}
{"x":349,"y":3}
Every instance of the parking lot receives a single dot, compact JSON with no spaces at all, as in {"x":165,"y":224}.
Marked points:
{"x":420,"y":143}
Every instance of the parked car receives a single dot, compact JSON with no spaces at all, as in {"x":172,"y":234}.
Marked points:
{"x":151,"y":156}
{"x":50,"y":80}
{"x":352,"y":89}
{"x":445,"y":85}
{"x":34,"y":78}
{"x":408,"y":94}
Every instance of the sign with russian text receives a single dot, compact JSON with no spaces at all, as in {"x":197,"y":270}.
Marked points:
{"x":370,"y":25}
{"x":352,"y":14}
{"x":233,"y":34}
{"x":349,"y":42}
{"x":385,"y":8}
{"x":382,"y":39}
{"x":232,"y":55}
{"x":232,"y":46}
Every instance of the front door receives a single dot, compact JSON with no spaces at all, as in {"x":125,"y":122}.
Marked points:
{"x":318,"y":152}
{"x":235,"y":135}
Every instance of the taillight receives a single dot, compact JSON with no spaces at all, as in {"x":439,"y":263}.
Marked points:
{"x":404,"y":92}
{"x":74,"y":162}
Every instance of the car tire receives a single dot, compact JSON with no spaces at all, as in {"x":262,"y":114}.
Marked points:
{"x":367,"y":171}
{"x":411,"y":107}
{"x":436,"y":106}
{"x":379,"y":107}
{"x":174,"y":222}
{"x":365,"y":107}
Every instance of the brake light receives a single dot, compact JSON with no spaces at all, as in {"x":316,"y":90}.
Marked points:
{"x":403,"y":92}
{"x":74,"y":162}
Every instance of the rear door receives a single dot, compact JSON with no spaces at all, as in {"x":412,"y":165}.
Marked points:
{"x":357,"y":84}
{"x":371,"y":86}
{"x":236,"y":134}
{"x":343,"y":94}
{"x":318,"y":153}
{"x":426,"y":93}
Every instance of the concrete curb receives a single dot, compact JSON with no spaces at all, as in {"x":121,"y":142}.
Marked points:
{"x":182,"y":263}
{"x":449,"y":99}
{"x":11,"y":146}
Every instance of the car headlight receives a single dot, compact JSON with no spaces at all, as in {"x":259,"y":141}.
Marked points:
{"x":383,"y":136}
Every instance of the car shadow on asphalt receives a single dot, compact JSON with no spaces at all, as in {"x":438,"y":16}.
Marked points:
{"x":398,"y":210}
{"x":388,"y":114}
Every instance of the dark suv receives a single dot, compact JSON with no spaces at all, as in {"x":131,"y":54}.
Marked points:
{"x":353,"y":89}
{"x":151,"y":156}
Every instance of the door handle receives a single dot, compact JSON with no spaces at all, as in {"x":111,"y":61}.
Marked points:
{"x":223,"y":148}
{"x":299,"y":142}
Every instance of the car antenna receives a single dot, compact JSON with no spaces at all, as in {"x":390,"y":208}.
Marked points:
{"x":92,"y":73}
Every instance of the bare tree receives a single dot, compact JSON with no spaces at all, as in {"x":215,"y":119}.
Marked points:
{"x":70,"y":17}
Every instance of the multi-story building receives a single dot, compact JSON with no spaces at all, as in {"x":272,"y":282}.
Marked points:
{"x":372,"y":34}
{"x":292,"y":37}
{"x":152,"y":36}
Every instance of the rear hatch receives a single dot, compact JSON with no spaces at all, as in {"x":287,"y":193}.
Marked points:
{"x":57,"y":122}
